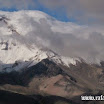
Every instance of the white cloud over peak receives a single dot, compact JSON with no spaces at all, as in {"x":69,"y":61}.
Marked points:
{"x":85,"y":11}
{"x":66,"y":38}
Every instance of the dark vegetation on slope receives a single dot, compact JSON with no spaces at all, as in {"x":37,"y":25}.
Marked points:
{"x":14,"y":98}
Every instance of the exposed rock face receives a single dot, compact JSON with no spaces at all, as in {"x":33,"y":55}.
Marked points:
{"x":45,"y":68}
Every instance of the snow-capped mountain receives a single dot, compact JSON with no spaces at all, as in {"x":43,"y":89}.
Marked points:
{"x":18,"y":48}
{"x":29,"y":65}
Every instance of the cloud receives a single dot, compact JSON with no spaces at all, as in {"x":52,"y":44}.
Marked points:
{"x":67,"y":39}
{"x":91,"y":11}
{"x":93,"y":6}
{"x":17,"y":4}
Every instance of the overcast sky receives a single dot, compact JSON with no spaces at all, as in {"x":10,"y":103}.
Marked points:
{"x":80,"y":11}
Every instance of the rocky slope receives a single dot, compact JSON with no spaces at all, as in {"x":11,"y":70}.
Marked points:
{"x":48,"y":78}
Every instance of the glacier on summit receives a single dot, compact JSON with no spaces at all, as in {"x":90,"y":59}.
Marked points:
{"x":26,"y":38}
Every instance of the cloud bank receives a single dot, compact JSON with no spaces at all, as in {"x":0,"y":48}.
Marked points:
{"x":91,"y":11}
{"x":66,"y":38}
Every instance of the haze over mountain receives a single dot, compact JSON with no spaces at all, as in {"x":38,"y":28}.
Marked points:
{"x":35,"y":28}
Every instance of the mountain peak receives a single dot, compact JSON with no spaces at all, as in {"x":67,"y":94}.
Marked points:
{"x":20,"y":42}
